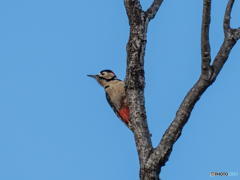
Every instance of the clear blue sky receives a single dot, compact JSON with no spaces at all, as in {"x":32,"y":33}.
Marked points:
{"x":55,"y":123}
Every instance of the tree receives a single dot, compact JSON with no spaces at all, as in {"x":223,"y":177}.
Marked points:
{"x":153,"y":159}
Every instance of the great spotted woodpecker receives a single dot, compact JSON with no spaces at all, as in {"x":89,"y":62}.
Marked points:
{"x":115,"y":93}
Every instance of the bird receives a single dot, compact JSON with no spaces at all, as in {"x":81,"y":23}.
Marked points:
{"x":115,"y":93}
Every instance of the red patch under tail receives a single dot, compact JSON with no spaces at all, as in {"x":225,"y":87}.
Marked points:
{"x":124,"y":114}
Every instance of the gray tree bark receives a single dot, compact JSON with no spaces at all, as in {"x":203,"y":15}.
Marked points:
{"x":153,"y":159}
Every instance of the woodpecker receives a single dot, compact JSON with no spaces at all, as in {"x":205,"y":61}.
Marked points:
{"x":115,"y":93}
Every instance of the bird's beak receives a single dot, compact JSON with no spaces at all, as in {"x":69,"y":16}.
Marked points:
{"x":92,"y":76}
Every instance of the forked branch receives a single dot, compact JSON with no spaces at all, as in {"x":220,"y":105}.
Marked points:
{"x":231,"y":37}
{"x":228,"y":31}
{"x":151,"y":160}
{"x":208,"y":75}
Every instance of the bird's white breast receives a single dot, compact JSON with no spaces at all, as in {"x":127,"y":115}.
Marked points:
{"x":116,"y":92}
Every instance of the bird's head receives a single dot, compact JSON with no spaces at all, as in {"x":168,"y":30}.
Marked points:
{"x":104,"y":77}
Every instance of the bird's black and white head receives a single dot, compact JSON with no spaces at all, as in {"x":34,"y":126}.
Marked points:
{"x":104,"y":77}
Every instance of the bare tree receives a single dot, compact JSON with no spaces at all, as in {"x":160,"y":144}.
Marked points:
{"x":153,"y":159}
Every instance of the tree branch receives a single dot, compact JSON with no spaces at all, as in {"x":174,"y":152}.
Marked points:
{"x":205,"y":45}
{"x":236,"y":33}
{"x":162,"y":152}
{"x":231,"y":37}
{"x":153,"y":9}
{"x":227,"y":17}
{"x":222,"y":57}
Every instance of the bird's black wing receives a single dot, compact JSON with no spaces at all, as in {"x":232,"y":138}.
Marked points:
{"x":112,"y":105}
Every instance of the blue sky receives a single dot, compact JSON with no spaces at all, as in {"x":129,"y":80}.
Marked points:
{"x":55,"y":123}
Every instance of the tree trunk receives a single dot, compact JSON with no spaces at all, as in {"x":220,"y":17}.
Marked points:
{"x":149,"y":174}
